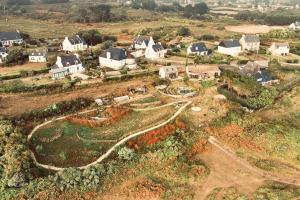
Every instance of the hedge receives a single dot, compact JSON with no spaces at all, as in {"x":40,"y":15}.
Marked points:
{"x":23,"y":74}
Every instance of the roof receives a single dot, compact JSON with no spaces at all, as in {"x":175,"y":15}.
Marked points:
{"x":76,"y":40}
{"x":278,"y":45}
{"x":198,"y":47}
{"x":115,"y":53}
{"x":263,"y":76}
{"x":139,"y":40}
{"x":9,"y":36}
{"x":297,"y":24}
{"x":230,"y":43}
{"x":251,"y":38}
{"x":41,"y":53}
{"x":2,"y":50}
{"x":70,"y":60}
{"x":250,"y":68}
{"x":200,"y":69}
{"x":157,"y":47}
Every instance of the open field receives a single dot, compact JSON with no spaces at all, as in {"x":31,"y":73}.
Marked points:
{"x":18,"y":68}
{"x":253,"y":29}
{"x":68,"y":144}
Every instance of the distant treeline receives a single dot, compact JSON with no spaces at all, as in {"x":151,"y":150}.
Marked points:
{"x":279,"y":17}
{"x":28,"y":2}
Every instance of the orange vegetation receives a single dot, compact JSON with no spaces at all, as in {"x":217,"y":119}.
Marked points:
{"x":232,"y":134}
{"x":157,"y":135}
{"x":114,"y":114}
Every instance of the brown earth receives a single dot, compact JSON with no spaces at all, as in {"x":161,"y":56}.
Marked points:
{"x":15,"y":104}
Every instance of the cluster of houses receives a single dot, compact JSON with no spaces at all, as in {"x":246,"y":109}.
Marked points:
{"x":119,"y":58}
{"x":234,"y":47}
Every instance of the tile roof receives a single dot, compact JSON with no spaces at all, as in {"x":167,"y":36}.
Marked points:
{"x":157,"y":47}
{"x":9,"y":36}
{"x":230,"y":43}
{"x":76,"y":40}
{"x":251,"y":38}
{"x":139,"y":40}
{"x":115,"y":53}
{"x":198,"y":47}
{"x":70,"y":60}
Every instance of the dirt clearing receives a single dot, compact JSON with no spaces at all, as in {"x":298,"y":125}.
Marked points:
{"x":253,"y":29}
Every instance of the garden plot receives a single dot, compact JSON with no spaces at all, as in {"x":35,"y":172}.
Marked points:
{"x":80,"y":140}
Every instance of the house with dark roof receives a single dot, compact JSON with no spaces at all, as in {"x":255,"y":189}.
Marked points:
{"x":197,"y":49}
{"x":66,"y":65}
{"x":154,"y":51}
{"x":230,"y":47}
{"x":74,"y":44}
{"x":140,"y":43}
{"x":250,"y":42}
{"x":3,"y":54}
{"x":116,"y":59}
{"x":38,"y":57}
{"x":9,"y":38}
{"x":258,"y":71}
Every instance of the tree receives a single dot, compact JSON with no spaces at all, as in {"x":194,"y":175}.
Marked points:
{"x":15,"y":56}
{"x":183,"y":31}
{"x":198,"y":9}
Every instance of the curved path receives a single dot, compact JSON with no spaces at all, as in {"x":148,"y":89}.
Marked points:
{"x":113,"y":148}
{"x":227,"y":170}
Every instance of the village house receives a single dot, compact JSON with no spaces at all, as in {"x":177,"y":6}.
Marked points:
{"x":74,"y":44}
{"x":9,"y":38}
{"x":154,"y":51}
{"x":250,"y":42}
{"x":282,"y":49}
{"x":66,"y":65}
{"x":203,"y":72}
{"x":258,"y":70}
{"x":116,"y":59}
{"x":295,"y":26}
{"x":197,"y":49}
{"x":38,"y":57}
{"x":230,"y":47}
{"x":140,"y":43}
{"x":3,"y":54}
{"x":168,"y":72}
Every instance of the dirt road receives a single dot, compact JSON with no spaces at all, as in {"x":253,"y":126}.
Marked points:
{"x":228,"y":170}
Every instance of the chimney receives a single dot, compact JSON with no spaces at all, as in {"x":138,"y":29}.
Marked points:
{"x":108,"y":55}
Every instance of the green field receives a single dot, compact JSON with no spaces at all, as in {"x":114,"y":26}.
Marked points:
{"x":79,"y":145}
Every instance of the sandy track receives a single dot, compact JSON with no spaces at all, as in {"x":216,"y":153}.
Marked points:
{"x":228,"y":170}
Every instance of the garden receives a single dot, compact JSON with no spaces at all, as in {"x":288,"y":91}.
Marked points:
{"x":78,"y":140}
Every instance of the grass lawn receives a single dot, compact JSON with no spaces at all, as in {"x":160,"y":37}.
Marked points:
{"x":68,"y":150}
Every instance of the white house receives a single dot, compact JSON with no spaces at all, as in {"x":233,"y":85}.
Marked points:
{"x":154,"y":51}
{"x":250,"y":42}
{"x":74,"y":44}
{"x":140,"y":43}
{"x":230,"y":47}
{"x":3,"y":54}
{"x":197,"y":49}
{"x":38,"y":57}
{"x":168,"y":72}
{"x":117,"y":58}
{"x":9,"y":38}
{"x":295,"y":26}
{"x":66,"y":65}
{"x":282,"y":49}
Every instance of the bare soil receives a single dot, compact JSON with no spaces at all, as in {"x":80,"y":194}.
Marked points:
{"x":15,"y":104}
{"x":252,"y":28}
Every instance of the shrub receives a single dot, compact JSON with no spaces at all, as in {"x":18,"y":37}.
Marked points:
{"x":126,"y":153}
{"x":183,"y":31}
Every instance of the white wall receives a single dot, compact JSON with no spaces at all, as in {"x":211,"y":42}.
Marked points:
{"x":37,"y":59}
{"x":113,"y":64}
{"x":234,"y":51}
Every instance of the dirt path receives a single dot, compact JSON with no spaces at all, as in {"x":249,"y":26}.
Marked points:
{"x":227,"y":170}
{"x":15,"y":104}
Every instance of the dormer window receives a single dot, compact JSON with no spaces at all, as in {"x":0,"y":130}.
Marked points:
{"x":68,"y":64}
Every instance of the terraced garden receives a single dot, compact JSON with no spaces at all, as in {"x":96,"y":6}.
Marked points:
{"x":74,"y":143}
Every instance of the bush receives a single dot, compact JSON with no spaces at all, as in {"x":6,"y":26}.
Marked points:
{"x":126,"y":154}
{"x":183,"y":31}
